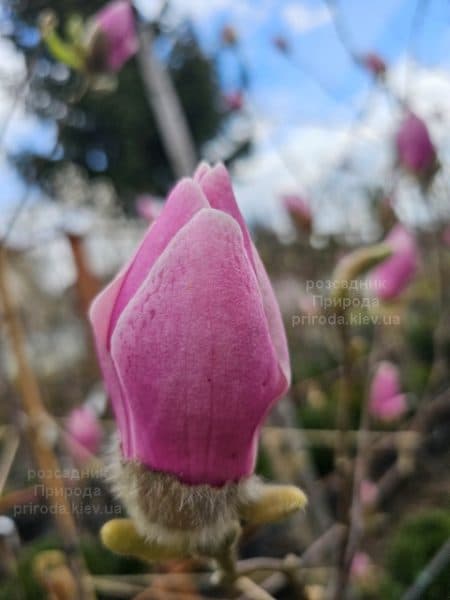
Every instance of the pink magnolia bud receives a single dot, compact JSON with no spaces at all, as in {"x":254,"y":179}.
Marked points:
{"x":361,"y":565}
{"x":84,"y":433}
{"x":368,"y":492}
{"x":299,"y":211}
{"x":148,"y":208}
{"x":387,"y":403}
{"x":374,"y":64}
{"x":415,"y":150}
{"x":281,"y":44}
{"x":392,"y":276}
{"x":234,"y":101}
{"x":114,"y":38}
{"x":190,"y":339}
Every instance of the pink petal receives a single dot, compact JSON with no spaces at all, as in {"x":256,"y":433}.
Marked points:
{"x":393,"y":408}
{"x":184,"y":201}
{"x":361,"y":565}
{"x":415,"y":149}
{"x":386,"y":382}
{"x":386,"y":400}
{"x":195,"y":354}
{"x":85,"y":433}
{"x":274,"y":320}
{"x":216,"y":185}
{"x":116,"y":22}
{"x":394,"y":274}
{"x":99,"y":314}
{"x":202,"y":169}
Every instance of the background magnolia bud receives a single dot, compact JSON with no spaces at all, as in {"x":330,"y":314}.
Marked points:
{"x":299,"y":211}
{"x":84,"y":433}
{"x":415,"y":150}
{"x":387,"y":403}
{"x":113,"y":37}
{"x":393,"y":275}
{"x":374,"y":64}
{"x":194,"y":293}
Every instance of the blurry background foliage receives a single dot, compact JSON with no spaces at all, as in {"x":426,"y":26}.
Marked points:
{"x":114,"y":134}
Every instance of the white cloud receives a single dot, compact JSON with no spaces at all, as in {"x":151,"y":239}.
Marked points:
{"x":301,"y":18}
{"x":308,"y":159}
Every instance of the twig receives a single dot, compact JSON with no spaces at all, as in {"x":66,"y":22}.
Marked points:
{"x":313,"y":555}
{"x":437,"y":564}
{"x":37,"y":435}
{"x":360,"y":467}
{"x":11,"y":441}
{"x":251,"y":589}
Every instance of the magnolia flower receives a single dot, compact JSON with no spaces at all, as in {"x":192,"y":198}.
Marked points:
{"x":234,"y":101}
{"x":148,"y":208}
{"x":193,"y":353}
{"x":299,"y":211}
{"x":113,"y":38}
{"x":84,"y":433}
{"x":392,"y":276}
{"x":374,"y":64}
{"x":387,"y":403}
{"x":415,"y":150}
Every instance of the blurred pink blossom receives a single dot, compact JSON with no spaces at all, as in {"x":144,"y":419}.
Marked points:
{"x":84,"y":433}
{"x":115,"y":23}
{"x":415,"y":150}
{"x":148,"y":208}
{"x":374,"y":64}
{"x":299,"y":211}
{"x":361,"y":565}
{"x":368,"y":492}
{"x":392,"y":276}
{"x":190,"y":339}
{"x":234,"y":101}
{"x":387,"y":403}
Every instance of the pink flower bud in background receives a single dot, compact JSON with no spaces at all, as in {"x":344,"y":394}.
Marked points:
{"x":415,"y":150}
{"x":148,"y":208}
{"x":299,"y":211}
{"x":281,"y":44}
{"x":374,"y":64}
{"x":368,"y":492}
{"x":387,"y":403}
{"x":114,"y":35}
{"x":84,"y":433}
{"x":190,"y":339}
{"x":361,"y":565}
{"x":234,"y":101}
{"x":392,"y":276}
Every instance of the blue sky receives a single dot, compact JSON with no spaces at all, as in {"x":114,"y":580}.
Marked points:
{"x":285,"y":92}
{"x":283,"y":97}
